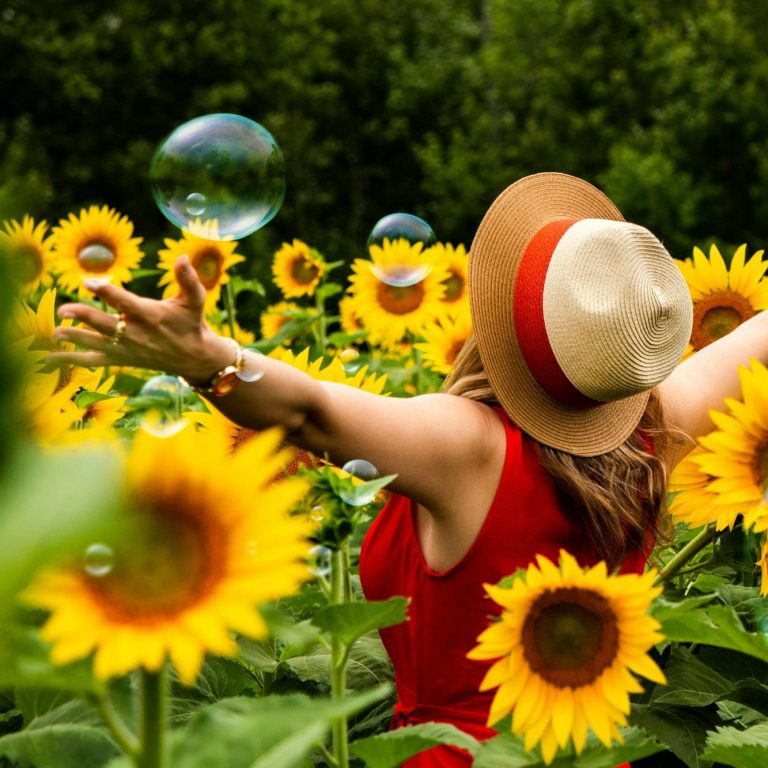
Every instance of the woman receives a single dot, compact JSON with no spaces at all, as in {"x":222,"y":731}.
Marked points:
{"x":549,"y":434}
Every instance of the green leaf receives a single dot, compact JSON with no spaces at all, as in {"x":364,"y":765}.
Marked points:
{"x":253,"y":285}
{"x":738,"y":748}
{"x":716,"y":625}
{"x":683,"y":731}
{"x":391,"y":749}
{"x":27,"y":663}
{"x":85,"y":398}
{"x":59,"y":746}
{"x":136,"y":273}
{"x":329,"y":289}
{"x":263,"y":733}
{"x":689,"y":682}
{"x":348,"y":621}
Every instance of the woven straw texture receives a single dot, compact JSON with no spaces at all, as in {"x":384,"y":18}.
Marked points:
{"x":597,"y":364}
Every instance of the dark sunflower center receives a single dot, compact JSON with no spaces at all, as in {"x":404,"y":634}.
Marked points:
{"x":241,"y":436}
{"x":453,"y":352}
{"x":96,"y":257}
{"x":570,"y":636}
{"x":168,"y":565}
{"x":26,"y":264}
{"x":760,"y":465}
{"x":304,"y":272}
{"x":207,"y":263}
{"x":716,"y":315}
{"x":400,"y":300}
{"x":454,"y":288}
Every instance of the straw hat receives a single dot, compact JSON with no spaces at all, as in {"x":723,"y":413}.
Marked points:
{"x":577,"y":313}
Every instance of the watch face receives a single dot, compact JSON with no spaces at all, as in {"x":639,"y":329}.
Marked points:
{"x":226,"y":383}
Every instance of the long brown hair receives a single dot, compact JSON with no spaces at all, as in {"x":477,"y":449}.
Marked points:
{"x":619,"y":496}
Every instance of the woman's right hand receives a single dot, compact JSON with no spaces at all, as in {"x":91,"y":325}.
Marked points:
{"x":169,"y":335}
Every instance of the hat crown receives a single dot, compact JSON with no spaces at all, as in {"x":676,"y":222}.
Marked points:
{"x":616,"y":309}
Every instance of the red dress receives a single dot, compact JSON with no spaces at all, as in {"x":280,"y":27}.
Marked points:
{"x":449,"y":609}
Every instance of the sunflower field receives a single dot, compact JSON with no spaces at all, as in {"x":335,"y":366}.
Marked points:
{"x":180,"y":591}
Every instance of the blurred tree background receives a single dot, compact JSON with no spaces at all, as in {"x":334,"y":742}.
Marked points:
{"x":429,"y":106}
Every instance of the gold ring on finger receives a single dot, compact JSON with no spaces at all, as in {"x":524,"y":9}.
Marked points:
{"x":119,"y":331}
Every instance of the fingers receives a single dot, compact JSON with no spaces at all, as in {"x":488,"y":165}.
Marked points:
{"x":83,"y":338}
{"x":119,"y":298}
{"x":104,"y":322}
{"x":192,"y":290}
{"x":85,"y":359}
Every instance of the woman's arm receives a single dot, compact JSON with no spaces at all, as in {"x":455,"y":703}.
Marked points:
{"x":434,"y":443}
{"x":702,"y":382}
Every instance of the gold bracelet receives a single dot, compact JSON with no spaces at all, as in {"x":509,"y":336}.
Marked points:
{"x":224,"y":381}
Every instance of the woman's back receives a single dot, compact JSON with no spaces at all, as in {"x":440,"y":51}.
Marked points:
{"x":449,"y":609}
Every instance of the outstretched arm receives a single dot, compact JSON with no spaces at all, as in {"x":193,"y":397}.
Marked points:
{"x":434,"y":443}
{"x":702,"y":382}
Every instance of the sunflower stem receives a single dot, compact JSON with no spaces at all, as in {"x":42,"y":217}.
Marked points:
{"x":339,"y":578}
{"x":318,"y":326}
{"x":693,"y":547}
{"x":229,"y":300}
{"x":153,"y":719}
{"x":124,"y":737}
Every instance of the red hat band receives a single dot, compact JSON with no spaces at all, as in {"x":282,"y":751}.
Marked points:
{"x":529,"y":317}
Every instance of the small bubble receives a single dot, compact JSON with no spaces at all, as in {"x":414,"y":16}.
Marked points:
{"x":320,"y":561}
{"x":405,"y":226}
{"x":195,"y":204}
{"x":98,"y":560}
{"x":401,"y":275}
{"x":166,"y":402}
{"x":361,"y":471}
{"x":252,"y":368}
{"x":317,"y":514}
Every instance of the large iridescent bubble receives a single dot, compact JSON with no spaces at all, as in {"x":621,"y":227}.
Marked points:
{"x":219,"y":168}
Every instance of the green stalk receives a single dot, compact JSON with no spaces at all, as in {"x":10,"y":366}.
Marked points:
{"x":154,"y":703}
{"x":229,"y":301}
{"x":339,"y":662}
{"x":318,"y":326}
{"x":121,"y":733}
{"x":692,"y":548}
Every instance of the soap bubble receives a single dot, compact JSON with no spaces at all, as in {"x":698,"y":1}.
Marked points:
{"x":98,"y":560}
{"x":219,"y":168}
{"x":252,"y":367}
{"x":320,"y":561}
{"x":402,"y":225}
{"x":362,"y":471}
{"x":165,"y":402}
{"x":394,"y":234}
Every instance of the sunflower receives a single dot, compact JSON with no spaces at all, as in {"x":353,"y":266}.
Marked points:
{"x":49,"y":413}
{"x":210,"y":256}
{"x":455,"y":260}
{"x":29,"y":253}
{"x":694,"y":503}
{"x":242,"y":337}
{"x":209,"y":546}
{"x":390,"y":311}
{"x":35,"y":329}
{"x":443,"y":341}
{"x":98,"y":243}
{"x":567,"y":642}
{"x":297,"y":269}
{"x":103,"y":408}
{"x":349,"y":319}
{"x":723,"y":299}
{"x":275,"y":316}
{"x":736,"y":453}
{"x":763,"y":563}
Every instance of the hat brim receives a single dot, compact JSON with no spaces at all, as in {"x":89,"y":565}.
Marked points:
{"x":513,"y":219}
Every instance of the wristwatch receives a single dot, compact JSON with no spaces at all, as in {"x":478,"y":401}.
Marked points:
{"x":225,"y":380}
